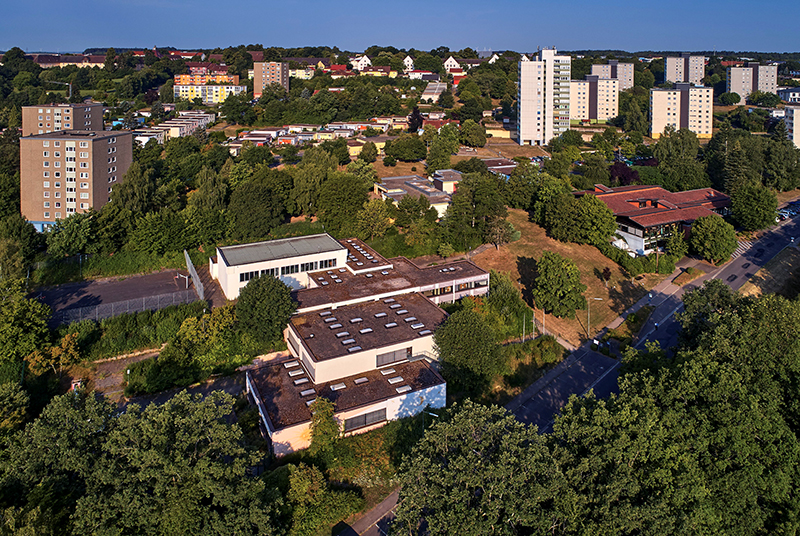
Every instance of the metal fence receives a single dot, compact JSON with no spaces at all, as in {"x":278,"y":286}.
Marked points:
{"x":198,"y":285}
{"x":136,"y":305}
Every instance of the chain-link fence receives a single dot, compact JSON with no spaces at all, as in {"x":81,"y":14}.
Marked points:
{"x":136,"y":305}
{"x":198,"y":285}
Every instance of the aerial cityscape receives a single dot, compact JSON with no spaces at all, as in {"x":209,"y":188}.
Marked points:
{"x":488,"y":277}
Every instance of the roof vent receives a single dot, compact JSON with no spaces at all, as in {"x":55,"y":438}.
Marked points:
{"x":330,"y":319}
{"x":385,"y":272}
{"x":335,"y":326}
{"x":356,"y":320}
{"x":425,"y":332}
{"x":390,"y":300}
{"x":394,"y":306}
{"x":365,"y":330}
{"x":338,"y":386}
{"x":410,"y":319}
{"x":342,"y":334}
{"x":380,"y":315}
{"x":396,"y":379}
{"x":403,"y":389}
{"x":309,"y":402}
{"x":417,"y":326}
{"x":298,"y":372}
{"x":354,"y":349}
{"x":301,"y":381}
{"x":369,"y":276}
{"x":348,"y":341}
{"x":290,"y":364}
{"x":387,"y":371}
{"x":307,"y":392}
{"x":390,"y":325}
{"x":359,"y":381}
{"x":401,"y":312}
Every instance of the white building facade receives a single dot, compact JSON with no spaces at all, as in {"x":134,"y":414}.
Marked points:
{"x":544,"y":98}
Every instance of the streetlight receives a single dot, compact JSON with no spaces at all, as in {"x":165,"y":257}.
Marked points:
{"x":589,"y":316}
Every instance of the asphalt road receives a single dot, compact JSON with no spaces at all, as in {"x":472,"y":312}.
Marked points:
{"x":590,"y":370}
{"x":735,"y":274}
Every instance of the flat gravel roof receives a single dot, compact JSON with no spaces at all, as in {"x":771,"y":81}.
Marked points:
{"x":279,"y":249}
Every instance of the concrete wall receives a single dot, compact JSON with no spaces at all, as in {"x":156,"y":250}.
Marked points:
{"x":350,"y":364}
{"x":291,"y":439}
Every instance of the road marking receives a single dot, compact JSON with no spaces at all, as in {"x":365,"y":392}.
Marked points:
{"x":598,"y":380}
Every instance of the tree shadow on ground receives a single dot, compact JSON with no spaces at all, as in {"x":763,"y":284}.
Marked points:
{"x":526,"y":266}
{"x":623,"y":295}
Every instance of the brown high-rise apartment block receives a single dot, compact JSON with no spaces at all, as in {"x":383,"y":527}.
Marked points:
{"x":616,"y":70}
{"x":594,"y":99}
{"x":70,"y":171}
{"x":753,"y":77}
{"x":685,"y":68}
{"x":683,"y":106}
{"x":269,"y":72}
{"x":54,"y":117}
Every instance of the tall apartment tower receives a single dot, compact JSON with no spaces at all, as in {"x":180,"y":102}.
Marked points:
{"x":54,"y":117}
{"x":685,"y":68}
{"x":70,"y":171}
{"x":616,"y":70}
{"x":792,"y":120}
{"x":595,"y":98}
{"x":752,"y":77}
{"x":544,"y":98}
{"x":683,"y":106}
{"x":269,"y":72}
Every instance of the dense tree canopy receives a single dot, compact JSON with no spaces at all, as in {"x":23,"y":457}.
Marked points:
{"x":264,"y":307}
{"x":468,"y":351}
{"x":704,"y":442}
{"x":557,"y":287}
{"x":713,"y":238}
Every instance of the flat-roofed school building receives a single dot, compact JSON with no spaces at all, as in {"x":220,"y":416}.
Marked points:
{"x":289,"y":259}
{"x":362,"y":335}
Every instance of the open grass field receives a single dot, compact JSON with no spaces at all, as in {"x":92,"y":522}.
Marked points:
{"x":517,"y":258}
{"x":780,"y":276}
{"x":791,"y":195}
{"x":688,"y":275}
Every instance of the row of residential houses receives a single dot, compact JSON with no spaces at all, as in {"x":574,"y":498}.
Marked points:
{"x":187,"y":123}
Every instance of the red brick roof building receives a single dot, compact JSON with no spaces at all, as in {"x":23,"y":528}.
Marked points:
{"x":648,"y":215}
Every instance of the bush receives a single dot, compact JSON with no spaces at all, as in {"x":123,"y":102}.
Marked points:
{"x":56,"y":272}
{"x":664,"y":264}
{"x":389,"y":161}
{"x":130,"y":332}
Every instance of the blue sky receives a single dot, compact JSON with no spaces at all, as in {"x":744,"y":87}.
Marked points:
{"x":354,"y":25}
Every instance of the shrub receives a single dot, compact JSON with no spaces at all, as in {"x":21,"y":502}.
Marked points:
{"x":130,"y":332}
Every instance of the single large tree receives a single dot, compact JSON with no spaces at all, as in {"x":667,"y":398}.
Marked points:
{"x":469,"y":353}
{"x":558,"y":288}
{"x":264,"y":307}
{"x":713,"y":238}
{"x":754,"y":206}
{"x":472,"y":134}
